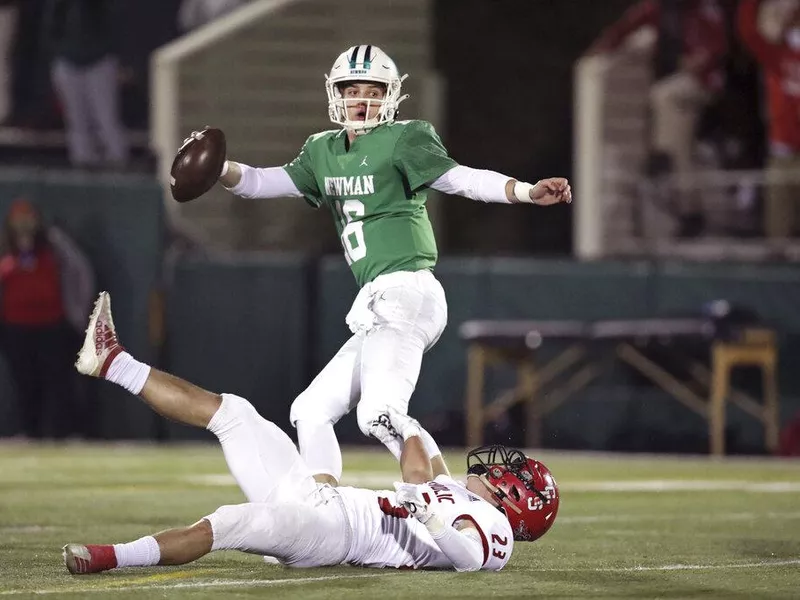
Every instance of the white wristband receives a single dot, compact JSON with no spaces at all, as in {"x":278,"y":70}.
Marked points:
{"x":224,"y":169}
{"x":522,"y":191}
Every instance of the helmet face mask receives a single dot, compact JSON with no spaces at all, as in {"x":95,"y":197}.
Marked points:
{"x":524,"y":488}
{"x":364,"y":64}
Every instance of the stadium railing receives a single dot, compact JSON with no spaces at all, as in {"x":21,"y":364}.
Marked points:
{"x":619,"y":211}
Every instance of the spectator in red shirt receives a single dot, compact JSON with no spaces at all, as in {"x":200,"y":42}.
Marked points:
{"x":771,"y":31}
{"x":45,"y":286}
{"x":691,"y":48}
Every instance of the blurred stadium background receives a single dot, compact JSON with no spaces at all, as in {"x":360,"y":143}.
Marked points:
{"x":621,"y":324}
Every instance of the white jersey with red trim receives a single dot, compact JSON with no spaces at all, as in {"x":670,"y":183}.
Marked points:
{"x":385,"y":535}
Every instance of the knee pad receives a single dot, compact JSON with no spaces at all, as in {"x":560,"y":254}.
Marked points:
{"x":300,"y":409}
{"x":229,"y":525}
{"x":232,"y":410}
{"x":316,"y":408}
{"x":236,"y":404}
{"x":365,"y":416}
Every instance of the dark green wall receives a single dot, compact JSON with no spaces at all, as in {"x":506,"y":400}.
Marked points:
{"x":263,"y":325}
{"x":118,"y":222}
{"x":240,"y":327}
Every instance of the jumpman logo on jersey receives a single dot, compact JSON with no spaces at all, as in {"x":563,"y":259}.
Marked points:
{"x":363,"y":162}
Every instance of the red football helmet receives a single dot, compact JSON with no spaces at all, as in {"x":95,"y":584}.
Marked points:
{"x":524,"y":487}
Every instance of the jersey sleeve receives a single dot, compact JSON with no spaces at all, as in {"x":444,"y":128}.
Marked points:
{"x":420,"y":155}
{"x":462,"y":548}
{"x":301,"y":172}
{"x":491,"y":526}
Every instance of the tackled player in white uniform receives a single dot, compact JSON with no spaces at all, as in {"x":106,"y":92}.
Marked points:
{"x":431,"y":521}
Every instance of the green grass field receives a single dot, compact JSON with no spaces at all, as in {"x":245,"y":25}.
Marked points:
{"x":629,"y":527}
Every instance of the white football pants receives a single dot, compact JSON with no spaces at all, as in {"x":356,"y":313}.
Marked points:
{"x":287,"y":516}
{"x":398,"y":317}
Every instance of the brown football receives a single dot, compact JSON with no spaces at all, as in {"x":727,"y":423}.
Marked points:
{"x":197,"y":164}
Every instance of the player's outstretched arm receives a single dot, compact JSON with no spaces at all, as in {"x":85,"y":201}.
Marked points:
{"x":420,"y":460}
{"x":256,"y":182}
{"x":489,"y":186}
{"x":438,"y":466}
{"x":231,"y":174}
{"x":415,"y":465}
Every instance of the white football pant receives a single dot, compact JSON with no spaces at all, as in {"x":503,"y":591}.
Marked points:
{"x":287,"y":516}
{"x":397,"y":318}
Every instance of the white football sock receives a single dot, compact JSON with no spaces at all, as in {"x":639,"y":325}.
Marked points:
{"x":430,"y":444}
{"x":395,"y":446}
{"x":144,"y":552}
{"x":128,"y":372}
{"x":320,"y":448}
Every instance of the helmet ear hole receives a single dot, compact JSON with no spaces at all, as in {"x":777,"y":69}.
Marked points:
{"x":514,"y":493}
{"x":477,"y":469}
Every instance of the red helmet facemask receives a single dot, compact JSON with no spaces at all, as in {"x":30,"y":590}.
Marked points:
{"x":524,"y":488}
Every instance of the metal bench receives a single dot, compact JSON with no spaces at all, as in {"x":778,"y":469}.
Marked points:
{"x":543,"y":386}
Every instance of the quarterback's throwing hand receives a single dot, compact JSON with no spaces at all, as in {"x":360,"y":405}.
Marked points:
{"x":551,"y":191}
{"x":415,"y":498}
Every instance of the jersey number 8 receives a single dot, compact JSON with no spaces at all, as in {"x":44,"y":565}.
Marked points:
{"x":352,"y":231}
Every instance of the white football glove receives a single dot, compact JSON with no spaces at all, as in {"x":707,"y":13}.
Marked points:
{"x":412,"y":497}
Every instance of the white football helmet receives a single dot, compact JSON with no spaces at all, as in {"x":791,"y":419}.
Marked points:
{"x":364,"y":63}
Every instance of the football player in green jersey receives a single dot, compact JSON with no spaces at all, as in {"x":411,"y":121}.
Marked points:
{"x":373,"y":174}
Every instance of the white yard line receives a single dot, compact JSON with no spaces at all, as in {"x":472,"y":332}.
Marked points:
{"x":750,"y":565}
{"x":382,"y":480}
{"x":717,"y":516}
{"x":684,"y":485}
{"x":215,"y":583}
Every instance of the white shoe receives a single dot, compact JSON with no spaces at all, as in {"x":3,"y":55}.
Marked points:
{"x":100,"y":346}
{"x":394,"y":425}
{"x":383,"y":430}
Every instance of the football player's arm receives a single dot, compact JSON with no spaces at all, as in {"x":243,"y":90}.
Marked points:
{"x":438,"y":466}
{"x":251,"y":182}
{"x":415,"y":465}
{"x":419,"y":447}
{"x":422,"y":158}
{"x":489,"y":186}
{"x":436,"y":460}
{"x":461,"y":544}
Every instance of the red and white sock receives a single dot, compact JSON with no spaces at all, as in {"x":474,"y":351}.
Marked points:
{"x":128,"y":372}
{"x":144,"y":552}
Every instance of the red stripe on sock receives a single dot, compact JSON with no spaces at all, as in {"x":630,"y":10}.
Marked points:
{"x":109,"y":359}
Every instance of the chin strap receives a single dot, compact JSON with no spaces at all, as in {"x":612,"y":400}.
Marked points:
{"x":498,"y":494}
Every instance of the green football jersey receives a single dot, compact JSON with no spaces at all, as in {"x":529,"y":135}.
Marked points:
{"x":376,"y":191}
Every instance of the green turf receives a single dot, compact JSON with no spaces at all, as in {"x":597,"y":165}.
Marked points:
{"x":719,"y":529}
